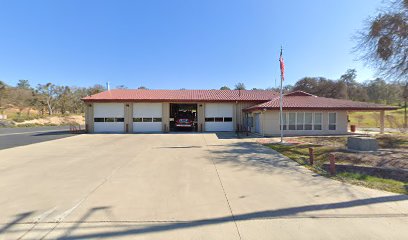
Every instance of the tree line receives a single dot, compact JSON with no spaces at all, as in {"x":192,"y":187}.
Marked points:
{"x":52,"y":99}
{"x":377,"y":90}
{"x":346,"y":87}
{"x":46,"y":98}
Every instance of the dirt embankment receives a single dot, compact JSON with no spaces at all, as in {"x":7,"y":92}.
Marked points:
{"x":54,"y":120}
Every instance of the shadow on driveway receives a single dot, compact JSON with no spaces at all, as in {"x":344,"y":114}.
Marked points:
{"x":284,"y":213}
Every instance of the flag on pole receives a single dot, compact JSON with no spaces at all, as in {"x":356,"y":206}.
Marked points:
{"x":282,"y":65}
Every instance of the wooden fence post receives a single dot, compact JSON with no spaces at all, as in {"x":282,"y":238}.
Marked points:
{"x":311,"y":156}
{"x":332,"y":167}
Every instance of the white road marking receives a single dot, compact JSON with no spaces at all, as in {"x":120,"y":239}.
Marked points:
{"x":6,"y":134}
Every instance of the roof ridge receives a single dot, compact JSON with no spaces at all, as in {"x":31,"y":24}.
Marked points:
{"x":246,"y":90}
{"x":187,"y":95}
{"x":310,"y":102}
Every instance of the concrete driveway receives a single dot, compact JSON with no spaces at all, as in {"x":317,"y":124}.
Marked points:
{"x":181,"y":186}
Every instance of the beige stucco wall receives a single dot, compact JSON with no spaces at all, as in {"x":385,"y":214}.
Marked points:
{"x":201,"y":117}
{"x":166,"y":117}
{"x":269,"y":120}
{"x":239,"y":118}
{"x":128,"y":117}
{"x":270,"y":124}
{"x":89,"y":117}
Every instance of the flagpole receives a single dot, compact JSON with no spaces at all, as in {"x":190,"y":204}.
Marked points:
{"x":281,"y":102}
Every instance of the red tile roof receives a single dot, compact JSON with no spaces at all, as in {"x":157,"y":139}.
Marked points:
{"x":299,"y":100}
{"x":120,"y":95}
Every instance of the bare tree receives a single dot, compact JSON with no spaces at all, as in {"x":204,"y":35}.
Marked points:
{"x":240,"y":86}
{"x":47,"y":92}
{"x":383,"y":43}
{"x":97,"y":88}
{"x":63,"y":98}
{"x":349,"y":79}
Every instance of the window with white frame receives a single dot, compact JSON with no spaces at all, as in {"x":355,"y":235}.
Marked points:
{"x":332,"y":121}
{"x":308,"y":121}
{"x":284,"y":122}
{"x":317,"y":121}
{"x":300,"y":120}
{"x":292,"y":121}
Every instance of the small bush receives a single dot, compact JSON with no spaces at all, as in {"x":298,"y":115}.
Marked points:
{"x":6,"y":124}
{"x":36,"y":125}
{"x":22,"y":118}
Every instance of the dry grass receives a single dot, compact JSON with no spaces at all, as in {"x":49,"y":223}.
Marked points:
{"x":393,"y":119}
{"x":323,"y":146}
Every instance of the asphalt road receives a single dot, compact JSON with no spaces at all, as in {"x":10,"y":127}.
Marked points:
{"x":14,"y":137}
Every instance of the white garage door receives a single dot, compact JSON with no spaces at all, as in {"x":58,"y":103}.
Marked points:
{"x":147,"y":117}
{"x":218,"y":117}
{"x":109,"y":117}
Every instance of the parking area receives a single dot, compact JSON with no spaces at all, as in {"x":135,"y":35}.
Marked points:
{"x":181,"y":186}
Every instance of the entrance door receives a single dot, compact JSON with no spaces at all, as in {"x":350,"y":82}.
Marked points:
{"x":257,"y":118}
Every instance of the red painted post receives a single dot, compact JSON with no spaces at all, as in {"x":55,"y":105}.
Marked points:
{"x":311,"y":156}
{"x":332,"y":167}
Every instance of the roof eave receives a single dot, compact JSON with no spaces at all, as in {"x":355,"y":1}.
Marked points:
{"x":88,"y":100}
{"x":386,"y":108}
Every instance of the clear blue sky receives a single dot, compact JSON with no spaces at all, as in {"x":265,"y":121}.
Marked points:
{"x":178,"y":44}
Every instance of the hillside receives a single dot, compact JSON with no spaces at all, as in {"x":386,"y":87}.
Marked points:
{"x":31,"y":117}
